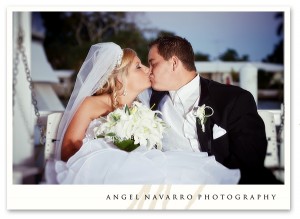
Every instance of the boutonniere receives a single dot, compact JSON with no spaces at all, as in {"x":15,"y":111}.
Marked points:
{"x":200,"y":114}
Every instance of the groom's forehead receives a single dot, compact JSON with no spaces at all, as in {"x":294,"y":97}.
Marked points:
{"x":153,"y":54}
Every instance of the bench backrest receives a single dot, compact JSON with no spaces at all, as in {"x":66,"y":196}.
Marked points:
{"x":53,"y":121}
{"x":272,"y":158}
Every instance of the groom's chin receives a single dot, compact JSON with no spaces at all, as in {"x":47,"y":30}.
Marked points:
{"x":156,"y":88}
{"x":153,"y":88}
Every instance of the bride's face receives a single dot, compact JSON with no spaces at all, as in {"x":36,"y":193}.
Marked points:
{"x":138,"y":76}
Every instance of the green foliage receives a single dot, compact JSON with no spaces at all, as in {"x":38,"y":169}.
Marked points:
{"x":277,"y":56}
{"x":232,"y":55}
{"x":132,"y":37}
{"x":126,"y":145}
{"x":263,"y":79}
{"x":163,"y":33}
{"x":201,"y":57}
{"x":127,"y":110}
{"x":69,"y":35}
{"x":280,"y":17}
{"x":235,"y":76}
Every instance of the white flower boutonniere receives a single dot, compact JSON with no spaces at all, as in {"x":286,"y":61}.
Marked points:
{"x":200,"y":114}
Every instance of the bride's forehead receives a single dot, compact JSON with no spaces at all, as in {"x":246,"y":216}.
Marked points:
{"x":136,"y":59}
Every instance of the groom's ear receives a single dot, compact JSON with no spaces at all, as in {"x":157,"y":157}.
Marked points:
{"x":175,"y":62}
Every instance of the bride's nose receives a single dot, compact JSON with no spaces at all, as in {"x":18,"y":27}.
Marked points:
{"x":146,"y":70}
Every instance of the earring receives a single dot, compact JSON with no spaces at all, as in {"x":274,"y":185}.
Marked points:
{"x":124,"y":92}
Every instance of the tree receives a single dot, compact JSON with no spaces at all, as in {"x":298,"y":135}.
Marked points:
{"x":232,"y":55}
{"x":277,"y":55}
{"x":163,"y":33}
{"x":69,"y":35}
{"x":201,"y":57}
{"x":130,"y":36}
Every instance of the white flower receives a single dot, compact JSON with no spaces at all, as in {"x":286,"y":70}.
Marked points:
{"x":137,"y":123}
{"x":199,"y":112}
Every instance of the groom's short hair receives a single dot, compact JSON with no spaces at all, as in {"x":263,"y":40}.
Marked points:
{"x":174,"y":45}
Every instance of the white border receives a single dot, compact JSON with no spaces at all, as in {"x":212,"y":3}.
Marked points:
{"x":148,"y":197}
{"x":95,"y":197}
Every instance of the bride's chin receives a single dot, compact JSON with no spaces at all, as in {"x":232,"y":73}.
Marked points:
{"x":148,"y":84}
{"x":146,"y":87}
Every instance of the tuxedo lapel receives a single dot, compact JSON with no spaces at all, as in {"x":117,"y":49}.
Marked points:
{"x":156,"y":97}
{"x":204,"y":137}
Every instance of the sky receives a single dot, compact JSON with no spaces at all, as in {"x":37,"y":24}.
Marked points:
{"x":212,"y":33}
{"x":249,"y":33}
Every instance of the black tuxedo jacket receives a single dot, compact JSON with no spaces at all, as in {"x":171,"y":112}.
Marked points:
{"x":244,"y":145}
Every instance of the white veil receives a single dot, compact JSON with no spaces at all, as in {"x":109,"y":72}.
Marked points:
{"x":93,"y":74}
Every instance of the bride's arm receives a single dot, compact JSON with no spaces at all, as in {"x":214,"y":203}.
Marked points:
{"x":75,"y":132}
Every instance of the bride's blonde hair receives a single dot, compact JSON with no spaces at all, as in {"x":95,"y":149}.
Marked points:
{"x":113,"y":84}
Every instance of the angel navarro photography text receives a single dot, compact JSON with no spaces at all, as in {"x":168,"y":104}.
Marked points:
{"x":184,"y":197}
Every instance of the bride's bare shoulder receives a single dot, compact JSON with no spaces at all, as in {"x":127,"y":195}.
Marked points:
{"x":98,"y":105}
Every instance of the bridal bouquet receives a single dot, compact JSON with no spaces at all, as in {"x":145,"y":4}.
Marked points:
{"x":130,"y":127}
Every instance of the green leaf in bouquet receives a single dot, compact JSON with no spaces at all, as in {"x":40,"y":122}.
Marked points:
{"x":111,"y":134}
{"x":127,"y":110}
{"x":100,"y":136}
{"x":126,"y":145}
{"x":116,"y":117}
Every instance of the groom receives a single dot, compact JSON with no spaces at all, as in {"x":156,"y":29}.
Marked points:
{"x":234,"y":133}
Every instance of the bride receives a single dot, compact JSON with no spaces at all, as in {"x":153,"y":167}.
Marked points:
{"x":109,"y":79}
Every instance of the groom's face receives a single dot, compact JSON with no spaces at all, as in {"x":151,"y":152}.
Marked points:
{"x":160,"y":70}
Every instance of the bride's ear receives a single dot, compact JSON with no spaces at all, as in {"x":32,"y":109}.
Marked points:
{"x":120,"y":81}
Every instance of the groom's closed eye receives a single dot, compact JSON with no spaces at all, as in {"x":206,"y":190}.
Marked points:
{"x":150,"y":62}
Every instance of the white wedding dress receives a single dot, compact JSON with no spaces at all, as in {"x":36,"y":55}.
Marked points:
{"x":100,"y":162}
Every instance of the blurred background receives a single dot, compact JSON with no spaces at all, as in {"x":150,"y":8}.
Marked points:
{"x":231,"y":37}
{"x":245,"y":49}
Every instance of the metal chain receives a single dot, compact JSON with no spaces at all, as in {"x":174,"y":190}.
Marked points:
{"x":15,"y":73}
{"x":21,"y":50}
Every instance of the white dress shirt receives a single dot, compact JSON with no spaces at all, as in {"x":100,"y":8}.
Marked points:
{"x":177,"y":111}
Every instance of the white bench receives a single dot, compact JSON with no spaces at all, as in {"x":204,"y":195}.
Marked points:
{"x":53,"y":121}
{"x":271,"y":161}
{"x":272,"y":157}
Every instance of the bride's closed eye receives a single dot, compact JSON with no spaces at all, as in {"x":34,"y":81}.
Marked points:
{"x":138,"y":66}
